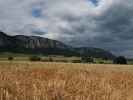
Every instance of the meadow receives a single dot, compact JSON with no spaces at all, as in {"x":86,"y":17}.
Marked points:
{"x":24,"y":80}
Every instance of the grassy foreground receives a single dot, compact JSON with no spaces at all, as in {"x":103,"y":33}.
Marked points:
{"x":60,"y":81}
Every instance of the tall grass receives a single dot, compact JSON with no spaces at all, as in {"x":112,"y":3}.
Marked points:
{"x":59,"y":81}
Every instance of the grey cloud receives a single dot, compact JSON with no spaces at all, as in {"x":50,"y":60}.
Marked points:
{"x":79,"y":23}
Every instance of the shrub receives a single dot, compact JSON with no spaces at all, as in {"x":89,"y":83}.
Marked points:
{"x":44,"y":60}
{"x":101,"y":62}
{"x":63,"y":60}
{"x":120,"y":60}
{"x":10,"y":58}
{"x":86,"y":59}
{"x":91,"y":60}
{"x":76,"y":61}
{"x":50,"y":59}
{"x":35,"y":58}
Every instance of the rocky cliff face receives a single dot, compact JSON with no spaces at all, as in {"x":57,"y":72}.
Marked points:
{"x":39,"y":45}
{"x":4,"y":40}
{"x":34,"y":42}
{"x":30,"y":42}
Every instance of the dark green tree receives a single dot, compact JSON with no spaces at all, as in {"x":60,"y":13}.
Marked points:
{"x":35,"y":58}
{"x":86,"y":59}
{"x":10,"y":58}
{"x":50,"y":59}
{"x":120,"y":60}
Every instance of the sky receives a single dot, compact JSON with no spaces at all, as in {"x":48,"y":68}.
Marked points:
{"x":106,"y":24}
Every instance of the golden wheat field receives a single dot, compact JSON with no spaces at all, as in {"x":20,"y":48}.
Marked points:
{"x":60,"y":81}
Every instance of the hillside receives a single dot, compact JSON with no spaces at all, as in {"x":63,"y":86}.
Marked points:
{"x":95,"y":52}
{"x":45,"y":46}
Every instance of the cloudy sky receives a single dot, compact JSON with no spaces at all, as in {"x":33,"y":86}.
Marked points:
{"x":106,"y":24}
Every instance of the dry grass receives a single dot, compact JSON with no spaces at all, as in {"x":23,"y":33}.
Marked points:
{"x":59,"y":81}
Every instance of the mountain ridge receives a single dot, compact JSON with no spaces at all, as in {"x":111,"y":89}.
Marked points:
{"x":41,"y":45}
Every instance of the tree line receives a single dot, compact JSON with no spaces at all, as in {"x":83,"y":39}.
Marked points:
{"x":84,"y":59}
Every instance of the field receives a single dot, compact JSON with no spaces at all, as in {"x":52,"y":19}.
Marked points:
{"x":65,"y":81}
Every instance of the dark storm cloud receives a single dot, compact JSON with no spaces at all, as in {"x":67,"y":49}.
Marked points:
{"x":109,"y":24}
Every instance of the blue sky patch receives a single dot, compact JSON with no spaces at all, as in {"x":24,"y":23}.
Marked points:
{"x":95,"y":2}
{"x":36,"y":12}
